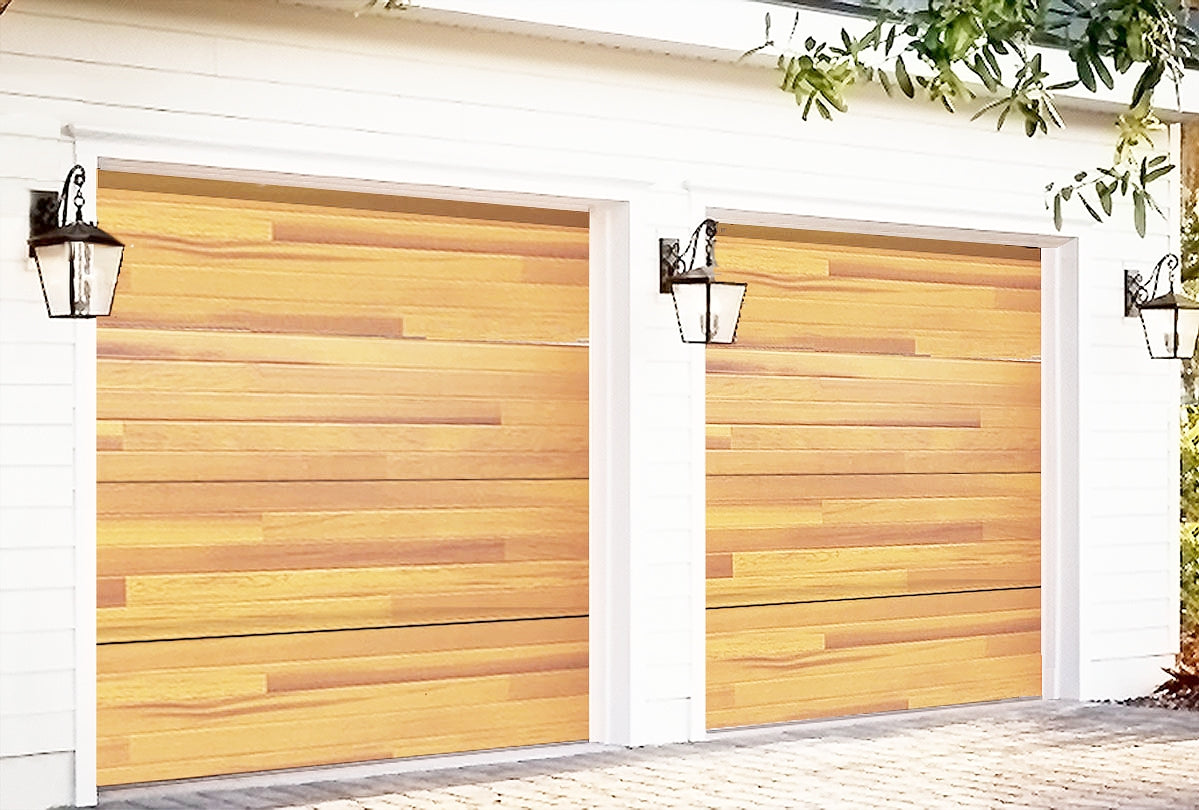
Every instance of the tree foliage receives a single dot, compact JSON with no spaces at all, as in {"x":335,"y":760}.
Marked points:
{"x":943,"y":49}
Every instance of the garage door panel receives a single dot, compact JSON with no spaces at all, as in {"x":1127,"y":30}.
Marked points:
{"x":342,"y":479}
{"x":873,"y":495}
{"x":778,"y":362}
{"x":764,"y":489}
{"x":186,"y":499}
{"x":147,"y":374}
{"x":728,"y":462}
{"x":726,"y":387}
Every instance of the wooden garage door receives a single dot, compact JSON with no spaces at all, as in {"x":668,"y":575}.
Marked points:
{"x":873,"y":478}
{"x":342,"y":479}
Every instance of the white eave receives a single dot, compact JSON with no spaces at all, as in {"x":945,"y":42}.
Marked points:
{"x":718,"y":30}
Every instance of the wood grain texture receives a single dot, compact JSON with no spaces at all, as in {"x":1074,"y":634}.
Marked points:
{"x":873,"y":452}
{"x":178,"y":709}
{"x":331,"y":418}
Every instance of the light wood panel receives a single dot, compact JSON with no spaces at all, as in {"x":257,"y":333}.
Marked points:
{"x":338,"y":419}
{"x":177,"y":709}
{"x":873,"y":453}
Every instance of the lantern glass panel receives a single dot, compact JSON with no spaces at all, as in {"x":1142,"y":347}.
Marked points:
{"x":1188,"y":331}
{"x":726,"y":300}
{"x":105,"y":264}
{"x":691,"y":308}
{"x":52,"y":263}
{"x":1159,"y":325}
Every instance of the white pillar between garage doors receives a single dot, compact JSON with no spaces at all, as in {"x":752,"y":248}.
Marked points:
{"x":647,"y":473}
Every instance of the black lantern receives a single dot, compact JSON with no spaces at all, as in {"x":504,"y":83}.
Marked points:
{"x":707,"y":310}
{"x":77,"y":263}
{"x":1171,"y":320}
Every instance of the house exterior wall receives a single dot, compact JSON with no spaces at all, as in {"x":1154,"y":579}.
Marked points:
{"x":650,"y":142}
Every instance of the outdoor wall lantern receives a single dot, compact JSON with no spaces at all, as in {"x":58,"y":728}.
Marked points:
{"x":77,"y":263}
{"x":1171,"y":320}
{"x":707,"y":310}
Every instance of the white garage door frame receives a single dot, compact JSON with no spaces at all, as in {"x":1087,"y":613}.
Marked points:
{"x":617,"y":256}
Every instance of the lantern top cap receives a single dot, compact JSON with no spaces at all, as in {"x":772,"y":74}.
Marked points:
{"x":77,"y":231}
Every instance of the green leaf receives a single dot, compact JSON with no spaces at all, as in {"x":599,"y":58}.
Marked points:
{"x":1094,"y":214}
{"x":885,"y":81}
{"x":1078,"y":178}
{"x":823,"y":110}
{"x":902,"y":77}
{"x":809,"y":43}
{"x":1138,"y":211}
{"x":1082,"y":63}
{"x":1057,"y":212}
{"x":1105,"y":75}
{"x":1154,"y":174}
{"x":890,"y":41}
{"x":1066,"y":192}
{"x":1105,"y":196}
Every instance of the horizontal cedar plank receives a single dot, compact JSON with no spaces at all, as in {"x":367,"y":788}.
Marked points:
{"x":767,"y":488}
{"x":948,"y":608}
{"x":239,"y":288}
{"x":760,"y":412}
{"x":893,"y":510}
{"x":116,"y":561}
{"x":901,"y":342}
{"x":931,"y":295}
{"x":870,"y":558}
{"x":918,"y":270}
{"x":814,"y":311}
{"x":485,"y":726}
{"x":748,"y":387}
{"x":354,"y":703}
{"x":533,"y":497}
{"x":567,"y":728}
{"x":365,"y":265}
{"x":1021,"y":686}
{"x":865,"y":437}
{"x":833,"y":244}
{"x":524,"y":324}
{"x":328,"y":407}
{"x":317,"y":436}
{"x":294,"y":652}
{"x":777,"y":587}
{"x":724,"y":541}
{"x":296,"y":614}
{"x":481,"y":239}
{"x":866,"y":511}
{"x":871,"y":367}
{"x":343,"y":351}
{"x":849,"y":462}
{"x":850,"y":681}
{"x":730,"y":539}
{"x":171,"y":376}
{"x":804,"y":710}
{"x":412,"y":582}
{"x":327,"y":466}
{"x":184,"y":217}
{"x":149,"y":190}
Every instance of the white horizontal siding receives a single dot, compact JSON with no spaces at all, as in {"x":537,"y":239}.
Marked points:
{"x":418,"y":103}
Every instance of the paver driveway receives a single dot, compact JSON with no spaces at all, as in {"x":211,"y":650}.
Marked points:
{"x":1030,"y":754}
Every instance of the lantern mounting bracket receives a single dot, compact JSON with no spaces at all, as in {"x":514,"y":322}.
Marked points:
{"x":43,"y":213}
{"x":673,"y":262}
{"x":1138,"y":289}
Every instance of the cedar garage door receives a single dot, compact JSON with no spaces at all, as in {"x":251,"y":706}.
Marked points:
{"x":873,"y":478}
{"x":342,"y":479}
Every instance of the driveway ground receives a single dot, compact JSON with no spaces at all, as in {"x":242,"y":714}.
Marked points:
{"x":1030,"y":754}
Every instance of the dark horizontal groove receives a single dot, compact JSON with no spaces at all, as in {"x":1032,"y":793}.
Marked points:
{"x":884,"y":596}
{"x":342,"y":630}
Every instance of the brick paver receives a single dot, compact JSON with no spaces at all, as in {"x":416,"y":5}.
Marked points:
{"x":1035,"y":754}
